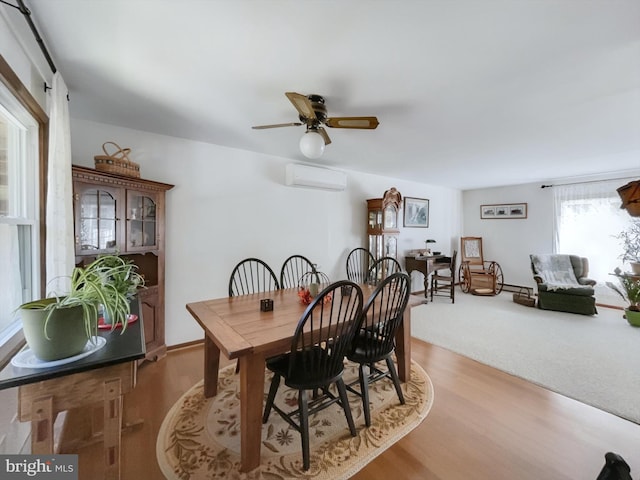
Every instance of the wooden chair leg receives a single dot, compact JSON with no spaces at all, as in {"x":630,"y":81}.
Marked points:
{"x":453,"y":290}
{"x":364,"y":393}
{"x":395,"y":378}
{"x":304,"y":427}
{"x":273,"y":389}
{"x":342,"y":390}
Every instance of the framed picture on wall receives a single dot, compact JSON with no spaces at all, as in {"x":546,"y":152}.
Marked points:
{"x":505,"y":210}
{"x":416,"y":212}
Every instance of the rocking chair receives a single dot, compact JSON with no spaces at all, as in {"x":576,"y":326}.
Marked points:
{"x":476,"y":275}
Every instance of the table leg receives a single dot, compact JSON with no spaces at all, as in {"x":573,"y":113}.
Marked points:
{"x":252,"y":377}
{"x":42,"y":426}
{"x":403,"y":346}
{"x":211,"y":366}
{"x":426,"y":283}
{"x":112,"y":425}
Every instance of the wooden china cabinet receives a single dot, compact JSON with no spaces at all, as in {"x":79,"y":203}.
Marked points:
{"x":126,"y":215}
{"x":382,"y":226}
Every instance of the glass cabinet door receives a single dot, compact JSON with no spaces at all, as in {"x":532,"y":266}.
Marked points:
{"x":96,"y":220}
{"x":375,"y":219}
{"x":141,"y":221}
{"x":390,"y":217}
{"x":375,"y":246}
{"x":391,"y":247}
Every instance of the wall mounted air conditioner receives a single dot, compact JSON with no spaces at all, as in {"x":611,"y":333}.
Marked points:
{"x":299,"y":175}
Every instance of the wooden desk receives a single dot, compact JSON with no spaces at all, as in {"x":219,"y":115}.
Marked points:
{"x":104,"y":376}
{"x":423,"y":265}
{"x":236,"y":327}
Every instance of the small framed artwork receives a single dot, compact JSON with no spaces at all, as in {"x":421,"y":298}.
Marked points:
{"x":416,"y":212}
{"x":505,"y":210}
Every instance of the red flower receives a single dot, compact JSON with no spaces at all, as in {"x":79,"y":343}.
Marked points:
{"x":305,"y":295}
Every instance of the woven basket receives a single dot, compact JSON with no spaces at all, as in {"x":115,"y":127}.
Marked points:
{"x":117,"y":162}
{"x":523,"y":297}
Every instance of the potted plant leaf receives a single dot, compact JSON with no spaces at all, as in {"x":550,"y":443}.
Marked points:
{"x":631,"y":245}
{"x":60,"y":326}
{"x":628,"y":288}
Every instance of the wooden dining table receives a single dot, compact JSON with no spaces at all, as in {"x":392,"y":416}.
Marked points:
{"x":237,"y":328}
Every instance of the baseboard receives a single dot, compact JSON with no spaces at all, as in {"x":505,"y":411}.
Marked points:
{"x":605,"y":305}
{"x":506,"y":287}
{"x":180,"y":346}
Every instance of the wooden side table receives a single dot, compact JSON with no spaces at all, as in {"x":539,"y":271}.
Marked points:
{"x":103,"y":377}
{"x":423,"y":265}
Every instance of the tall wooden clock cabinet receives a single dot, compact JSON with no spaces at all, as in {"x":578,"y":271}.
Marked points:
{"x":382,"y":226}
{"x":120,"y":214}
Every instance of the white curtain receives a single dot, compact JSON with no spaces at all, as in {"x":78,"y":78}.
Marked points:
{"x":60,"y":247}
{"x":587,"y":219}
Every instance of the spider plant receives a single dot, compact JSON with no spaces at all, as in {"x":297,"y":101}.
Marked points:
{"x":110,"y":281}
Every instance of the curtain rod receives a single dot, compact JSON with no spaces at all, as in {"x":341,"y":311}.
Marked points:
{"x":27,"y":16}
{"x":588,"y":181}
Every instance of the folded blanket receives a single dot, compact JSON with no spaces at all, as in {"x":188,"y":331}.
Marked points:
{"x":556,"y":271}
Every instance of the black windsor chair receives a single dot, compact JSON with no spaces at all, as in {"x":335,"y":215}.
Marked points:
{"x":252,"y":275}
{"x":381,"y":269}
{"x":374,"y":340}
{"x":293,"y":268}
{"x":316,"y":360}
{"x":359,"y":261}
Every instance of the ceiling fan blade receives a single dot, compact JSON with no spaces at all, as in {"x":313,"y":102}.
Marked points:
{"x":302,"y":104}
{"x":352,"y":122}
{"x":276,"y":125}
{"x":324,"y":134}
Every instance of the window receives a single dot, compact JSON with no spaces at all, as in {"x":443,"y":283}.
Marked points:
{"x":588,"y":217}
{"x":22,"y":153}
{"x":19,"y":278}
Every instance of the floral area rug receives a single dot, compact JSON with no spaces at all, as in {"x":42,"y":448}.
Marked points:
{"x":200,"y":437}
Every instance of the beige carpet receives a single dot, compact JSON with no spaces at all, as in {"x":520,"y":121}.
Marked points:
{"x":200,"y":438}
{"x":591,"y":359}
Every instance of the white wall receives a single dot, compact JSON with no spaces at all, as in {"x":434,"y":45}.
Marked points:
{"x":22,"y":55}
{"x":230,"y":204}
{"x":510,"y":241}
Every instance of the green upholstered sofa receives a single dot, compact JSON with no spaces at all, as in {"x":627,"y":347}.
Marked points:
{"x":563,"y":283}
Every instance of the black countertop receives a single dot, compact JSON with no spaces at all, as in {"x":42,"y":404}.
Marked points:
{"x":120,"y":348}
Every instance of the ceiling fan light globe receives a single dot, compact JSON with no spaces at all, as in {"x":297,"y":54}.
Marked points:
{"x":312,"y":145}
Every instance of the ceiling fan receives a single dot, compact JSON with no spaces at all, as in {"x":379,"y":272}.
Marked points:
{"x":313,"y":113}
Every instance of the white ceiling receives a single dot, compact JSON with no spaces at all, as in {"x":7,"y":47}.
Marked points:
{"x":469,"y":93}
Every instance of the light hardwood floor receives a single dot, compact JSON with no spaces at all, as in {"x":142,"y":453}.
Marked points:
{"x":484,"y":424}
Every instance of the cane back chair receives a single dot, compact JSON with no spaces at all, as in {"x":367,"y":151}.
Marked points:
{"x":477,"y":275}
